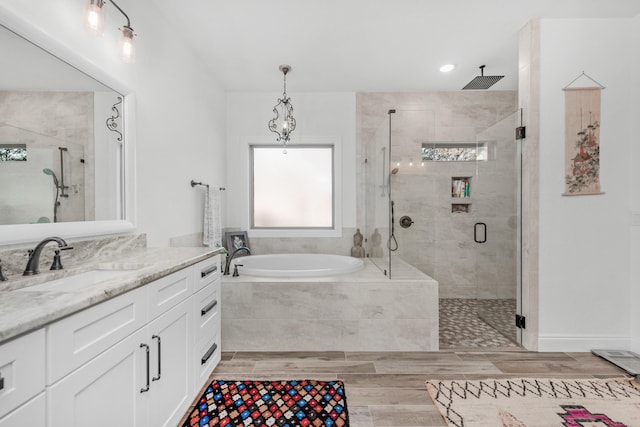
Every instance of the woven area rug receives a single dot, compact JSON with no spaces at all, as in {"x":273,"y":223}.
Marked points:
{"x":271,"y":403}
{"x":530,"y":402}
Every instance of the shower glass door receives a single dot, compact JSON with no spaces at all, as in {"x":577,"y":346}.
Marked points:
{"x":495,"y":209}
{"x":451,"y":215}
{"x":377,"y":194}
{"x":415,"y":204}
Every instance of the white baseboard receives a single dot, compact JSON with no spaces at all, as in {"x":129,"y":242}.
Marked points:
{"x":635,"y":345}
{"x":548,"y":343}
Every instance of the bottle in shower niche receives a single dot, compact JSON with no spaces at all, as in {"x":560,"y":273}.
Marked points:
{"x":461,"y":187}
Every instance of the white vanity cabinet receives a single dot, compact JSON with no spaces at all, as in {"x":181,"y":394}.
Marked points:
{"x":207,"y":318}
{"x":103,"y":392}
{"x":22,"y":380}
{"x":31,"y":413}
{"x":170,"y":389}
{"x":147,"y":377}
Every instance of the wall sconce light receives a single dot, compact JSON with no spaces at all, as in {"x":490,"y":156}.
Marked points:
{"x":283,"y":122}
{"x":94,"y":21}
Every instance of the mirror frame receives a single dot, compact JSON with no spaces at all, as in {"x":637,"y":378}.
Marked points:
{"x":17,"y":234}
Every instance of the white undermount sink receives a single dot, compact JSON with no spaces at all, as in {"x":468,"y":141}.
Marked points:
{"x":78,"y":281}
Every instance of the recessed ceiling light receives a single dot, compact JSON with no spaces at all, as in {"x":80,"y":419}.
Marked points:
{"x":447,"y":67}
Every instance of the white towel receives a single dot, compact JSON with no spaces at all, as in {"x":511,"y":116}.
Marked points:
{"x":212,"y":228}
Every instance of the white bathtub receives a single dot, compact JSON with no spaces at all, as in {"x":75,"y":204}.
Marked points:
{"x":297,"y":265}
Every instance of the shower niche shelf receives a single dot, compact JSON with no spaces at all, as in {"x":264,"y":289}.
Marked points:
{"x":460,"y":207}
{"x":460,"y":194}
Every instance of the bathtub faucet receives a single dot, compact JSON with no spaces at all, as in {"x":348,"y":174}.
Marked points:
{"x":233,"y":254}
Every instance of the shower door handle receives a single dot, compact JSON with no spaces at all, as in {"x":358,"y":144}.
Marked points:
{"x":476,"y":226}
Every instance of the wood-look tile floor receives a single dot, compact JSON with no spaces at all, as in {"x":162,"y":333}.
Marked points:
{"x":387,"y":389}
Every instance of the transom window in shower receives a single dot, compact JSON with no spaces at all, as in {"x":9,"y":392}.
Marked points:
{"x":293,"y":190}
{"x":455,"y":151}
{"x":13,"y":152}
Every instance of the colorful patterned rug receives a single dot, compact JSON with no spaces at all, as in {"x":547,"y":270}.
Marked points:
{"x":531,"y":402}
{"x":304,"y":403}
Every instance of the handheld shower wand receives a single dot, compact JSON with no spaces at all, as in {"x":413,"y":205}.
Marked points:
{"x":56,"y":203}
{"x":48,"y":171}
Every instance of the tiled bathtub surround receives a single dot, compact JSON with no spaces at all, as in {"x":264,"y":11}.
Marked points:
{"x":362,"y":311}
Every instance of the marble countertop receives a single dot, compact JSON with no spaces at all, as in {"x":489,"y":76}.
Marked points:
{"x":22,"y":312}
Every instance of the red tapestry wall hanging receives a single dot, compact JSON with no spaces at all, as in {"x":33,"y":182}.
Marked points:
{"x":582,"y":140}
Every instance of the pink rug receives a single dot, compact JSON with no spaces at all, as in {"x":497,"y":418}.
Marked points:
{"x":533,"y":402}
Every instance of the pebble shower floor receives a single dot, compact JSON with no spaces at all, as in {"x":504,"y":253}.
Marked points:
{"x":460,"y":325}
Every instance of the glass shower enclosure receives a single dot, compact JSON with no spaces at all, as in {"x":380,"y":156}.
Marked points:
{"x":450,"y":208}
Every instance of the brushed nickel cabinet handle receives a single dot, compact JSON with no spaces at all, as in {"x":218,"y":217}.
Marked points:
{"x":209,"y":353}
{"x":209,"y":307}
{"x":208,"y":271}
{"x":156,"y":378}
{"x":146,"y":348}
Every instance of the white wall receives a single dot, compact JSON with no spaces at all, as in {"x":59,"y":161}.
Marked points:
{"x":180,"y":107}
{"x":634,"y":234}
{"x":317,"y":115}
{"x":584,"y":273}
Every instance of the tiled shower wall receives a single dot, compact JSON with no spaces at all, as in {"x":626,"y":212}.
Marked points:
{"x":440,"y":243}
{"x":45,"y":121}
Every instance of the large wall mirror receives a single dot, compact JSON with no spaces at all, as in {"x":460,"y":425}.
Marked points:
{"x":65,"y":158}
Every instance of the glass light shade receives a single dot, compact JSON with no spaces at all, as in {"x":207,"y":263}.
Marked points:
{"x":447,"y":68}
{"x":94,"y":16}
{"x":127,"y":47}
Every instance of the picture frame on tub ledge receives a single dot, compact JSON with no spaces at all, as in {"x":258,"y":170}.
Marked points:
{"x":236,"y":240}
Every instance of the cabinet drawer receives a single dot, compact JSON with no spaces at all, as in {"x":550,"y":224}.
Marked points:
{"x":30,"y":414}
{"x":77,"y":339}
{"x":22,"y":363}
{"x":207,"y":271}
{"x":206,"y":306}
{"x":169,"y":291}
{"x":207,"y":356}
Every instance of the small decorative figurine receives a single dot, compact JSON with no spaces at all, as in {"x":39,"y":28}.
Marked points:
{"x":376,"y":245}
{"x":357,"y":250}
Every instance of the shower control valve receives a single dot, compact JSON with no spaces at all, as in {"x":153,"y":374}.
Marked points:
{"x":406,"y":221}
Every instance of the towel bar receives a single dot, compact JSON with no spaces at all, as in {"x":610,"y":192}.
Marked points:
{"x":194,"y":183}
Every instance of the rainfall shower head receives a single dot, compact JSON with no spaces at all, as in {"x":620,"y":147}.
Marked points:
{"x":48,"y":171}
{"x":482,"y":81}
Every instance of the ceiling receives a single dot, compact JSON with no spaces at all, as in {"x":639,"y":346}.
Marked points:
{"x":367,"y":45}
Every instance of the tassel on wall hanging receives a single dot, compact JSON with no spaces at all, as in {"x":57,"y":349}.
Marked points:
{"x":582,"y":138}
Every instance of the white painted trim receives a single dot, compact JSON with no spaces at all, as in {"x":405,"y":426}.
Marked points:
{"x":336,"y":141}
{"x":555,"y":343}
{"x":28,"y":233}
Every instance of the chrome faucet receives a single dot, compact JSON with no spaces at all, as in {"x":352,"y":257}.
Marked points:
{"x":233,"y":254}
{"x":34,"y":256}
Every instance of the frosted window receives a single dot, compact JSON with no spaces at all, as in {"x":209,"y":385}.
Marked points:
{"x":454,"y":152}
{"x":13,"y":152}
{"x":292,"y":190}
